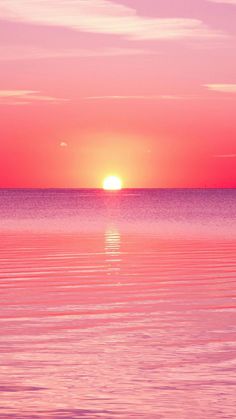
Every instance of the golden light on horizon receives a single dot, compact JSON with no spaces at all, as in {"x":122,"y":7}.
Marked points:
{"x":112,"y":183}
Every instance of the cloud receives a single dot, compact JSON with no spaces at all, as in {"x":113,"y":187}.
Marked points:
{"x":63,"y":144}
{"x":31,"y":53}
{"x":222,"y":88}
{"x":225,"y":156}
{"x":24,"y":97}
{"x":134,"y":97}
{"x":104,"y":17}
{"x":224,"y":1}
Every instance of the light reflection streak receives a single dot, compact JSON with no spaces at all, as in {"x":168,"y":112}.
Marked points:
{"x":112,"y":250}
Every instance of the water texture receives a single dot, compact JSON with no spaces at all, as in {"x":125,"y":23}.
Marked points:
{"x":118,"y":305}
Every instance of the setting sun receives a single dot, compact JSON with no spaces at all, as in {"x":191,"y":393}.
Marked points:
{"x":112,"y":183}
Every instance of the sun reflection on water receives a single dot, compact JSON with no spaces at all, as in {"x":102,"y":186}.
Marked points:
{"x":112,"y":250}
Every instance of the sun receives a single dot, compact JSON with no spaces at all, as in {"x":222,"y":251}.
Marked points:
{"x":112,"y":183}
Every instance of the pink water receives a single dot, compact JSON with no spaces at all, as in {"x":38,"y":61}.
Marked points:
{"x":119,"y":306}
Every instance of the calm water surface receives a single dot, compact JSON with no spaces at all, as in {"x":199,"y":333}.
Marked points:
{"x":118,"y":305}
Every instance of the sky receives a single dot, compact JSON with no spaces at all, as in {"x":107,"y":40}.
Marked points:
{"x":141,"y":89}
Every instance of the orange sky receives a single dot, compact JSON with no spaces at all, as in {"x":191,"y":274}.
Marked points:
{"x":143,"y":90}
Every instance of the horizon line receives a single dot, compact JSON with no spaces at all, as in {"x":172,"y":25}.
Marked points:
{"x":116,"y":191}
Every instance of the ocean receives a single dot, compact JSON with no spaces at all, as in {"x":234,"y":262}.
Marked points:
{"x":118,"y":304}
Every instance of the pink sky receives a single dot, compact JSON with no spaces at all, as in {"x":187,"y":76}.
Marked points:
{"x":142,"y":89}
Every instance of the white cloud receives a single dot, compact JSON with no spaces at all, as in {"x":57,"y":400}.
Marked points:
{"x":24,"y":97}
{"x":222,"y":88}
{"x":105,"y":17}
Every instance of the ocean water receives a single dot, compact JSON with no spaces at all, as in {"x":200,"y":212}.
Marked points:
{"x":118,"y":305}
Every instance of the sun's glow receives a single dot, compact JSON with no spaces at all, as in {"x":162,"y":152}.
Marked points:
{"x":112,"y":183}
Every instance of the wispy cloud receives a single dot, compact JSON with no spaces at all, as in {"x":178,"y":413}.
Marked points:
{"x":134,"y":97}
{"x":24,"y":97}
{"x":225,"y":156}
{"x":222,"y":88}
{"x":105,"y":17}
{"x":223,"y":1}
{"x":30,"y":53}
